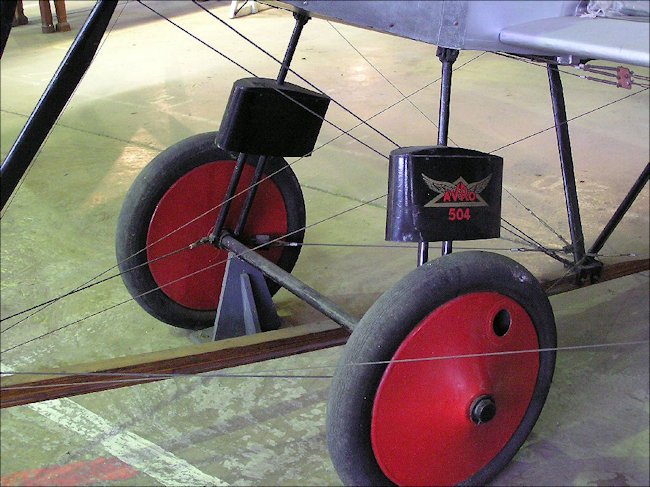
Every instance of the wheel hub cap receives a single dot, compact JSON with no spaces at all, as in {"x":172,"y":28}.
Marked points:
{"x":435,"y":421}
{"x":483,"y":409}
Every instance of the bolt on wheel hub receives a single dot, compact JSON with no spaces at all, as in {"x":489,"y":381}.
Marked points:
{"x":483,"y":409}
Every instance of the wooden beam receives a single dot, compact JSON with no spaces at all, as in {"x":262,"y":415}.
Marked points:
{"x":22,"y":389}
{"x":16,"y":390}
{"x":610,"y":271}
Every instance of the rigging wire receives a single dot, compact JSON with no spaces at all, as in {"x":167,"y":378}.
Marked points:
{"x":284,"y":373}
{"x":289,"y":69}
{"x":88,"y":284}
{"x":569,"y":120}
{"x":56,"y":122}
{"x":530,"y":241}
{"x":538,"y":218}
{"x":84,"y":287}
{"x":91,"y":282}
{"x":280,"y":92}
{"x":527,"y":238}
{"x":531,"y":248}
{"x":193,"y":273}
{"x":385,"y":77}
{"x":541,"y":62}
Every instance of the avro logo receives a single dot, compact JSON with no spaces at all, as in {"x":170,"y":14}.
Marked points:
{"x":458,"y":193}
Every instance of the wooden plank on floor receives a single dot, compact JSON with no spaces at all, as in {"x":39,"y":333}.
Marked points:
{"x":16,"y":390}
{"x":22,"y":389}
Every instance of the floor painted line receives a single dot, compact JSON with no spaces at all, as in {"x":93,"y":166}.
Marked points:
{"x":145,"y":456}
{"x":90,"y":472}
{"x":139,"y":453}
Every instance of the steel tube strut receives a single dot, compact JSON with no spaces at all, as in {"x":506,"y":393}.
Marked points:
{"x":621,"y":210}
{"x":301,"y":20}
{"x":7,"y":11}
{"x":292,"y":284}
{"x":447,"y":57}
{"x":243,"y":215}
{"x":230,"y":192}
{"x":566,"y":163}
{"x":56,"y":95}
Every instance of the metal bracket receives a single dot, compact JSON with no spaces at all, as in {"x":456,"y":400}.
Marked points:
{"x":623,"y":77}
{"x":245,"y":302}
{"x":590,"y":269}
{"x":289,"y":282}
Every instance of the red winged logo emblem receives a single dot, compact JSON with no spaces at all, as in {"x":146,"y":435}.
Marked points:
{"x":458,"y":193}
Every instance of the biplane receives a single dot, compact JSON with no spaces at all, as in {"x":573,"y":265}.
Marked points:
{"x":444,"y":377}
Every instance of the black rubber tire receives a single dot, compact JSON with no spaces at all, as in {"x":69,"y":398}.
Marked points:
{"x":141,"y":202}
{"x":389,"y":321}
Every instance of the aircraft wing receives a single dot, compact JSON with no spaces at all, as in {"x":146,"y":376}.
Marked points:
{"x":586,"y":38}
{"x":543,"y":28}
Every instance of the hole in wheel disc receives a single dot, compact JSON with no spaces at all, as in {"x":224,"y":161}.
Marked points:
{"x":501,"y":322}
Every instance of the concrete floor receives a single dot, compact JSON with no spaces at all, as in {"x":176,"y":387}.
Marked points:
{"x":150,"y":86}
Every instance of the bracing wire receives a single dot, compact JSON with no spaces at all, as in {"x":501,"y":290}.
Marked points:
{"x":56,"y":122}
{"x":338,"y":31}
{"x":291,"y":373}
{"x":520,"y":235}
{"x":299,"y":373}
{"x":253,"y":249}
{"x":552,"y":127}
{"x":93,"y":281}
{"x":301,"y":78}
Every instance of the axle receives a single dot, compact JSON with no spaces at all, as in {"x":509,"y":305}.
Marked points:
{"x":286,"y":280}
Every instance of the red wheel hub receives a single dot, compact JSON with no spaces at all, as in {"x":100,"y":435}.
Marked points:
{"x":198,"y":192}
{"x":438,"y":422}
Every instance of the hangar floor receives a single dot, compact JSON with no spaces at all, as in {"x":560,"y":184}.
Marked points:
{"x":151,"y":86}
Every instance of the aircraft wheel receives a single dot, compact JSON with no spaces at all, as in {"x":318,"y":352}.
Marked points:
{"x":443,"y":421}
{"x":174,"y":202}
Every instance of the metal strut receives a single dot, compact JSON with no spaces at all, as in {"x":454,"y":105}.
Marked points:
{"x":618,"y":215}
{"x":54,"y":99}
{"x":301,"y":20}
{"x":586,"y":266}
{"x":447,"y":57}
{"x":286,"y":280}
{"x":7,"y":9}
{"x":224,"y":239}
